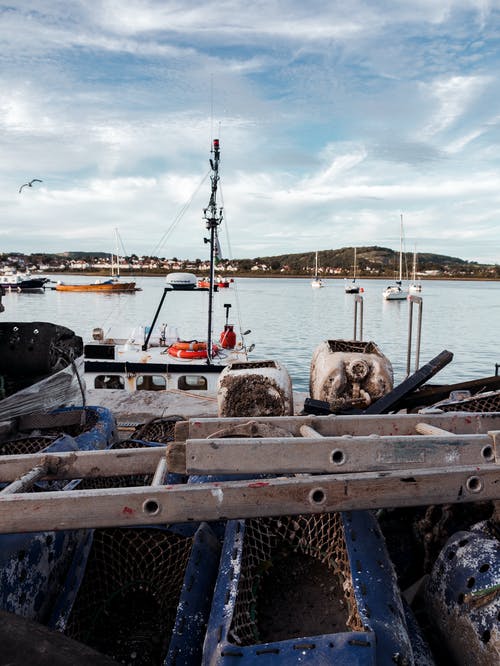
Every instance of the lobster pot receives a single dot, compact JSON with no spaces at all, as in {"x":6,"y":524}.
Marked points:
{"x":312,"y":589}
{"x":349,"y":374}
{"x":254,"y":388}
{"x":144,"y":596}
{"x":34,"y":566}
{"x":462,"y":596}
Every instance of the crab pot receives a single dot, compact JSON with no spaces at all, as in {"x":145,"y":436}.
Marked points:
{"x":349,"y":374}
{"x":34,"y":566}
{"x":307,"y":590}
{"x":144,"y":595}
{"x":254,"y":388}
{"x":463,"y":596}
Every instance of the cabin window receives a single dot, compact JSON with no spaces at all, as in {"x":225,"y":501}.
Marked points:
{"x":109,"y":382}
{"x":151,"y":383}
{"x":192,"y":383}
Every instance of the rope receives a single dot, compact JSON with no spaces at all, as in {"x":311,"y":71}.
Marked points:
{"x":178,"y":217}
{"x":230,"y":254}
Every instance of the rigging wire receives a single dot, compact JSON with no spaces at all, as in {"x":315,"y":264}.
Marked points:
{"x":178,"y":217}
{"x":230,"y":255}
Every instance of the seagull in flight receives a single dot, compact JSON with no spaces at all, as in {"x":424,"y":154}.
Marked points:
{"x":30,"y":184}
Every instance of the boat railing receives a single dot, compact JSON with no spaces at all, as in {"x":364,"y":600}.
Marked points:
{"x":358,"y":304}
{"x":414,"y":300}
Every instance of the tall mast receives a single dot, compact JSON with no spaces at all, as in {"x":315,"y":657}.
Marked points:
{"x":401,"y":250}
{"x":213,"y":218}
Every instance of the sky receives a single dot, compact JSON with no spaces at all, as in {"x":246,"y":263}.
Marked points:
{"x":334,"y":119}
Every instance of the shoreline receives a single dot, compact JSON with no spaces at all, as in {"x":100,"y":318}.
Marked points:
{"x":131,"y":275}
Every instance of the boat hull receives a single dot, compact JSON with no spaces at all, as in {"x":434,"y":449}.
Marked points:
{"x":101,"y":287}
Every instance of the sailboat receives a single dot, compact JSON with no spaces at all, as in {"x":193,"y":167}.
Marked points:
{"x":317,"y":282}
{"x":415,"y":287}
{"x":351,"y":286}
{"x":396,"y":292}
{"x":112,"y":284}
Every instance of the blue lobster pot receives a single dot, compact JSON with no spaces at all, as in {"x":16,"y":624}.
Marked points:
{"x":33,"y":566}
{"x":143,"y":595}
{"x":307,"y":590}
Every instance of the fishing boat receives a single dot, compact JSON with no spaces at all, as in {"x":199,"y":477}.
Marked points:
{"x":317,"y":282}
{"x":21,"y":282}
{"x":415,"y":287}
{"x":113,"y":284}
{"x":220,"y":283}
{"x":351,"y":286}
{"x":156,"y":358}
{"x":396,"y":292}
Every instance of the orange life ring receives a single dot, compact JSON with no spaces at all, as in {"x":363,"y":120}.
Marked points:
{"x":190,"y":345}
{"x":190,"y":350}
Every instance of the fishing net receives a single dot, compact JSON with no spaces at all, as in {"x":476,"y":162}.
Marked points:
{"x":272,"y":548}
{"x":42,"y":434}
{"x":127,"y":602}
{"x":482,"y":402}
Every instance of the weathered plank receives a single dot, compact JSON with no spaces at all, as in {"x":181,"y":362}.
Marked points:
{"x":327,"y":455}
{"x":80,"y":464}
{"x":33,"y":512}
{"x":385,"y":424}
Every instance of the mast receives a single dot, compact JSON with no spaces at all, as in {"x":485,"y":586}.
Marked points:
{"x":117,"y":256}
{"x":354,"y":267}
{"x":401,"y":251}
{"x":213,"y":218}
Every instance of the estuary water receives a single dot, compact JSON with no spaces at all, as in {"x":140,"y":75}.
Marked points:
{"x":288,"y":319}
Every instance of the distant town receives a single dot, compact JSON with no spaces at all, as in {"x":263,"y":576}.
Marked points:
{"x":372,"y":262}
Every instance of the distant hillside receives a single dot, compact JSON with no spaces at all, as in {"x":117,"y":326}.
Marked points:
{"x":369,"y":259}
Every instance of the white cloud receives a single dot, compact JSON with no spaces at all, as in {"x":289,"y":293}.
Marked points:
{"x":333,"y":119}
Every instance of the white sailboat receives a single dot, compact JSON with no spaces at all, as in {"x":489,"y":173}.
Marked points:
{"x":351,"y":286}
{"x":415,"y":287}
{"x":317,"y":282}
{"x":396,"y":292}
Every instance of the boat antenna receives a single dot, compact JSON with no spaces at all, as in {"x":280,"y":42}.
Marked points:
{"x":213,"y":219}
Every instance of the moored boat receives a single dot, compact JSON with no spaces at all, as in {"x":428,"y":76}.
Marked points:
{"x":351,"y":286}
{"x":13,"y":281}
{"x":156,"y":358}
{"x":396,"y":292}
{"x":107,"y":286}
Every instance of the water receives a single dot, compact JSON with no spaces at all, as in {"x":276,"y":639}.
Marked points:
{"x":288,"y":319}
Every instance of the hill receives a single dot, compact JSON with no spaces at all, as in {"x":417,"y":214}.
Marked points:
{"x":370,"y":260}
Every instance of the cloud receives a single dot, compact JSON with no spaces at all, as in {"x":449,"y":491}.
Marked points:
{"x":332,"y":120}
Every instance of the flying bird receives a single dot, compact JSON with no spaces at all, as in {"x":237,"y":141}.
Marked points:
{"x":30,"y":184}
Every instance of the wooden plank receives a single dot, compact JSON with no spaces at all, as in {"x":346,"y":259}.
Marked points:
{"x":329,"y":455}
{"x":81,"y":464}
{"x":307,"y":431}
{"x":34,"y":512}
{"x":428,"y":429}
{"x":334,"y":425}
{"x":391,"y":401}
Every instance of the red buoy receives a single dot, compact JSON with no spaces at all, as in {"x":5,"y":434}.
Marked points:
{"x":228,"y":337}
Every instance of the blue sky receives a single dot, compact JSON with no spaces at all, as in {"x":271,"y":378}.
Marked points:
{"x":334,"y":118}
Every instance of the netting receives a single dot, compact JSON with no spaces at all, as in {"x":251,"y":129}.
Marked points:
{"x":127,"y":603}
{"x":158,"y":430}
{"x":321,"y":537}
{"x":483,"y":402}
{"x":40,"y":438}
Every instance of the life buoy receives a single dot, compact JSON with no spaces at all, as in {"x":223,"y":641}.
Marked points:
{"x":191,"y":345}
{"x":190,"y":350}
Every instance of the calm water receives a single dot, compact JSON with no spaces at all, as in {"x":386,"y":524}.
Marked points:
{"x":288,"y":319}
